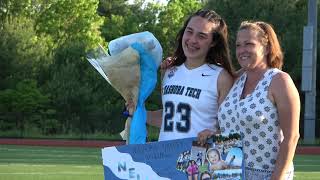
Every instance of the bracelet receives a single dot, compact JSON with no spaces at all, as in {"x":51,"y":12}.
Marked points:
{"x":126,"y":113}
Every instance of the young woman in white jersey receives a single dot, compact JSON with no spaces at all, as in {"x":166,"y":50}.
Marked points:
{"x":263,"y":105}
{"x":197,"y":81}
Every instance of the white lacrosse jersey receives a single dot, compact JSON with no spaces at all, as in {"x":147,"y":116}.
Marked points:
{"x":190,"y":101}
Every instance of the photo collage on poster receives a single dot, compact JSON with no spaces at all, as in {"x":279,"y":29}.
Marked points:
{"x":220,"y":158}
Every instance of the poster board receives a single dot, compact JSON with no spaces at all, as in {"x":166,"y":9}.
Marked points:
{"x":220,"y":158}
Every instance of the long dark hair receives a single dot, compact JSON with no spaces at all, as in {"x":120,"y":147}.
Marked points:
{"x":219,"y":54}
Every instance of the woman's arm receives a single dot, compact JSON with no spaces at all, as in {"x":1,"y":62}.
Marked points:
{"x":225,"y":82}
{"x":154,"y":118}
{"x":286,"y":98}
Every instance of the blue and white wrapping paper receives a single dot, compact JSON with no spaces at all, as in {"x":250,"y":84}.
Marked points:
{"x":150,"y":52}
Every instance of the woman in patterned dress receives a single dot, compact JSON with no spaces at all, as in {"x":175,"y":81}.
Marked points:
{"x":263,"y":105}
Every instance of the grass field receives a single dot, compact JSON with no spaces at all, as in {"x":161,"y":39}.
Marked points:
{"x":58,"y":163}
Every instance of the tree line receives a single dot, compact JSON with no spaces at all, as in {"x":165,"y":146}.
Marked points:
{"x":47,"y":87}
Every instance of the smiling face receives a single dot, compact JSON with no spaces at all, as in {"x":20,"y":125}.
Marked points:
{"x":197,"y":39}
{"x":213,"y":156}
{"x":250,"y":51}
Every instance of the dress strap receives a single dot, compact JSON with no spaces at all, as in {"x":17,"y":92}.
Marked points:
{"x":268,"y":75}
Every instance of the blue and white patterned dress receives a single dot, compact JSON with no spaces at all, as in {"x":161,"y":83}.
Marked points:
{"x":255,"y":117}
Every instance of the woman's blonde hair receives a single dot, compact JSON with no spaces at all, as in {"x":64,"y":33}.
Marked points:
{"x":268,"y":38}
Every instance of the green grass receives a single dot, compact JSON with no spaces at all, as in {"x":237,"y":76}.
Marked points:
{"x":307,"y":167}
{"x":58,"y":163}
{"x":49,"y":163}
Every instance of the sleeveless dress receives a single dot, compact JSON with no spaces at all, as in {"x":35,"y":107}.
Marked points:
{"x":255,"y":117}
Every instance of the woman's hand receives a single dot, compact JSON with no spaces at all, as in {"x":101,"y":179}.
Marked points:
{"x":204,"y":135}
{"x":167,"y":63}
{"x":129,"y":108}
{"x":130,"y":104}
{"x":277,"y":176}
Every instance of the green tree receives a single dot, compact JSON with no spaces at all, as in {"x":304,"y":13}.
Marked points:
{"x":80,"y":106}
{"x":9,"y":9}
{"x":71,"y":20}
{"x":121,"y":18}
{"x":22,"y":107}
{"x":280,"y":14}
{"x":23,"y":53}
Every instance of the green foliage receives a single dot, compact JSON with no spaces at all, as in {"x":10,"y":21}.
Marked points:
{"x":287,"y":17}
{"x":122,"y":19}
{"x":69,"y":20}
{"x":22,"y":105}
{"x":12,"y":8}
{"x":21,"y":50}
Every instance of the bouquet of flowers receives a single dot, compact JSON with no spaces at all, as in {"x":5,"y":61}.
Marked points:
{"x":131,"y":68}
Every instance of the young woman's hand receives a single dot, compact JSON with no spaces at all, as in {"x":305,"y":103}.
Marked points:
{"x":204,"y":135}
{"x":167,"y":63}
{"x":129,"y":108}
